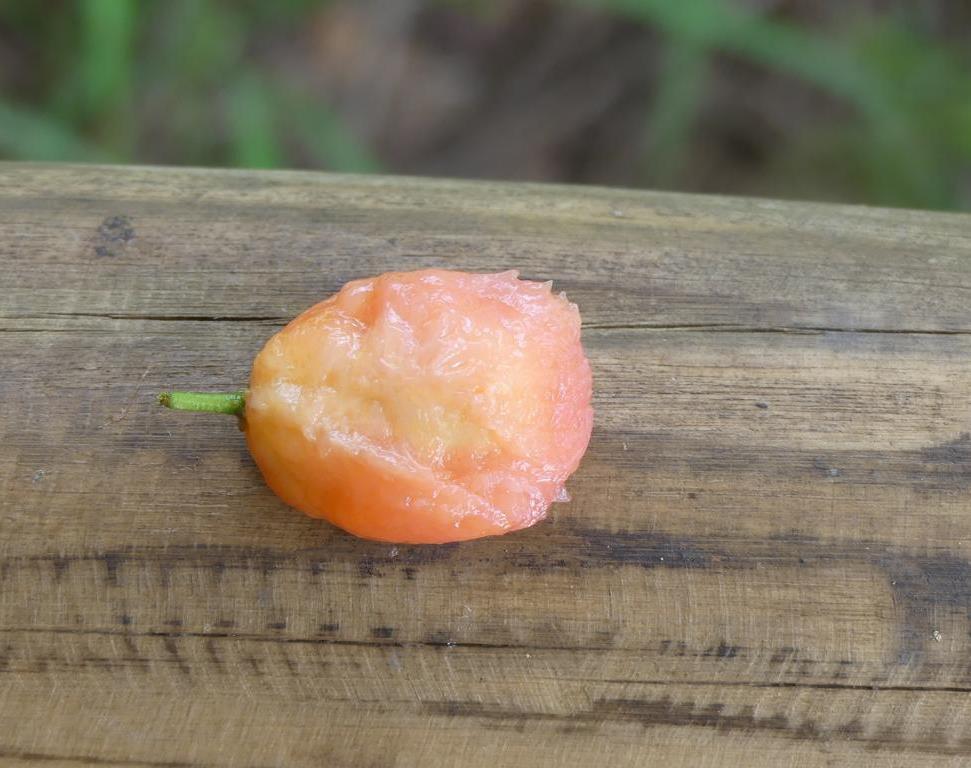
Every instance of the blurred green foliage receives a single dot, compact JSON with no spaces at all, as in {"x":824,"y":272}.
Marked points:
{"x":910,"y":144}
{"x":125,"y":81}
{"x":186,"y":62}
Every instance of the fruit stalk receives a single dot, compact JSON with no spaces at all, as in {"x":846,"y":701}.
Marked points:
{"x":232,"y":403}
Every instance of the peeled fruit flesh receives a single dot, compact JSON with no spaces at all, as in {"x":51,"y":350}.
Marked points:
{"x":424,"y":407}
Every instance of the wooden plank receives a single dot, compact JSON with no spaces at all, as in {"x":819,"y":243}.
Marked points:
{"x":171,"y":243}
{"x":768,"y":556}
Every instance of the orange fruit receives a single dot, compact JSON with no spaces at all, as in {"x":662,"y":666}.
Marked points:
{"x":424,"y":407}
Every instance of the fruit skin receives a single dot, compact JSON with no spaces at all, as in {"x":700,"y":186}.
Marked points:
{"x":424,"y":407}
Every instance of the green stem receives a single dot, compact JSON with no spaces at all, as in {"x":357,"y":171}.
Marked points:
{"x":232,"y":403}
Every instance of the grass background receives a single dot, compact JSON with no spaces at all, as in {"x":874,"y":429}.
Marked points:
{"x":868,"y":103}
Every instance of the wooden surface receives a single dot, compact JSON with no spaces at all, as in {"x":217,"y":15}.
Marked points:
{"x":767,"y":561}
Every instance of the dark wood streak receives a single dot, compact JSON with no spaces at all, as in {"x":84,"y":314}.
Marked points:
{"x":281,"y":639}
{"x":132,"y":654}
{"x":60,"y":565}
{"x":833,"y":686}
{"x":172,"y":648}
{"x":112,"y":562}
{"x":212,"y":648}
{"x":922,"y":583}
{"x":39,"y":757}
{"x":936,"y":468}
{"x":441,"y":644}
{"x":276,"y":322}
{"x":292,"y":667}
{"x":664,"y":711}
{"x":577,"y":547}
{"x":255,"y":664}
{"x":369,"y":556}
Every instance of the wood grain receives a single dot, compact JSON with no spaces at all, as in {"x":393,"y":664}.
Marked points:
{"x":766,"y":562}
